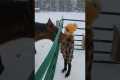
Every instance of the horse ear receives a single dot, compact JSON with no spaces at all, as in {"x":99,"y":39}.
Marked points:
{"x":50,"y":23}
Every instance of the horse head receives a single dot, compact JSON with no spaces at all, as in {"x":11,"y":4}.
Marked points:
{"x":51,"y":27}
{"x":45,"y":31}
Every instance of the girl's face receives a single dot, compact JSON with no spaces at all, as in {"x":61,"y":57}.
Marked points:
{"x":67,"y":32}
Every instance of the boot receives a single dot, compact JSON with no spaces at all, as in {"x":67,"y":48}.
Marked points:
{"x":65,"y":67}
{"x":69,"y":70}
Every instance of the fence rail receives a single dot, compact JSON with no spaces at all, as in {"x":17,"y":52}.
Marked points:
{"x":73,"y":20}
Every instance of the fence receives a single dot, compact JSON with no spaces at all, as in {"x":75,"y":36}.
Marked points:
{"x":47,"y":68}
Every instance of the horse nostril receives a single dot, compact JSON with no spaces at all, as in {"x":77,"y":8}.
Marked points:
{"x":1,"y":66}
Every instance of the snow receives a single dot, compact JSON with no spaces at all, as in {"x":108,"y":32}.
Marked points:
{"x":43,"y":46}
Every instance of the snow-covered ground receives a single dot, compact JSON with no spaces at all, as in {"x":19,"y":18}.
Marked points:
{"x":43,"y":46}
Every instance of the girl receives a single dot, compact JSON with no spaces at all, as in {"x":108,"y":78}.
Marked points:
{"x":67,"y":47}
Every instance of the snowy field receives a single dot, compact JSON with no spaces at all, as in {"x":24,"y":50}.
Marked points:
{"x":43,"y":46}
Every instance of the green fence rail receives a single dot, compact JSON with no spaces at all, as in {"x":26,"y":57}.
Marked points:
{"x":47,"y":68}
